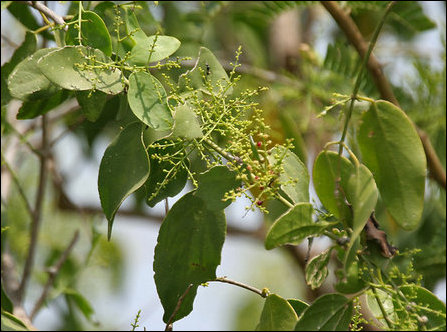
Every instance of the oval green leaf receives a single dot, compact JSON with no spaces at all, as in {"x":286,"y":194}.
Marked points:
{"x":298,"y":305}
{"x":153,"y":49}
{"x":124,"y":168}
{"x":330,"y":312}
{"x":329,"y":167}
{"x":294,"y":178}
{"x":277,"y":315}
{"x":147,"y":99}
{"x":71,"y":68}
{"x":294,"y":226}
{"x":94,"y":33}
{"x":188,"y":252}
{"x":26,"y":82}
{"x":392,"y":150}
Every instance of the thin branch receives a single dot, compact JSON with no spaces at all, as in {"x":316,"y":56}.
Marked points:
{"x":46,"y":11}
{"x":53,"y":271}
{"x":240,"y":284}
{"x":177,"y":308}
{"x":18,"y":185}
{"x":36,"y":216}
{"x":348,"y":26}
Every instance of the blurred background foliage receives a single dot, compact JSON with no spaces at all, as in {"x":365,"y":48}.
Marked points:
{"x":296,"y":50}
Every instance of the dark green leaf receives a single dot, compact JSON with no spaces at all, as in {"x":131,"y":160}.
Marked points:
{"x":349,"y":280}
{"x":93,"y":33}
{"x":330,"y":312}
{"x":164,"y":180}
{"x":70,"y":68}
{"x":277,"y":315}
{"x":298,"y":305}
{"x":213,"y":184}
{"x":295,"y":178}
{"x":32,"y":109}
{"x":6,"y":302}
{"x":188,"y":251}
{"x":27,"y":48}
{"x":317,"y":270}
{"x":92,"y":103}
{"x":124,"y":168}
{"x":392,"y":150}
{"x":147,"y":99}
{"x":9,"y":322}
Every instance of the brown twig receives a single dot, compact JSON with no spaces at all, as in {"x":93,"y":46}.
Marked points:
{"x":240,"y":284}
{"x":46,"y":11}
{"x":53,"y":271}
{"x":177,"y":308}
{"x":348,"y":26}
{"x":36,"y":215}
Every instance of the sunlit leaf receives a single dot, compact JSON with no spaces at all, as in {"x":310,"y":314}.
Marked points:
{"x":277,"y":315}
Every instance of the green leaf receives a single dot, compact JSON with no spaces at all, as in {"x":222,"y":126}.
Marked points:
{"x":392,"y":150}
{"x":70,"y":68}
{"x":294,"y":226}
{"x":330,"y":312}
{"x":153,"y":49}
{"x":188,"y":251}
{"x":277,"y":315}
{"x":159,"y":171}
{"x":214,"y":183}
{"x":9,"y":322}
{"x":81,"y":302}
{"x":147,"y":99}
{"x":92,"y":103}
{"x":317,"y":270}
{"x":200,"y":76}
{"x":33,"y":108}
{"x":93,"y":33}
{"x":6,"y":302}
{"x":327,"y":169}
{"x":26,"y":82}
{"x":362,"y":194}
{"x":27,"y":48}
{"x":349,"y":279}
{"x":298,"y":305}
{"x":387,"y":304}
{"x":186,"y":123}
{"x":132,"y":26}
{"x":124,"y":168}
{"x":295,"y":177}
{"x":426,"y":304}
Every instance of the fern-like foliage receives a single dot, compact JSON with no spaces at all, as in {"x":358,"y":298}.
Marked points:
{"x":343,"y":61}
{"x":407,"y":18}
